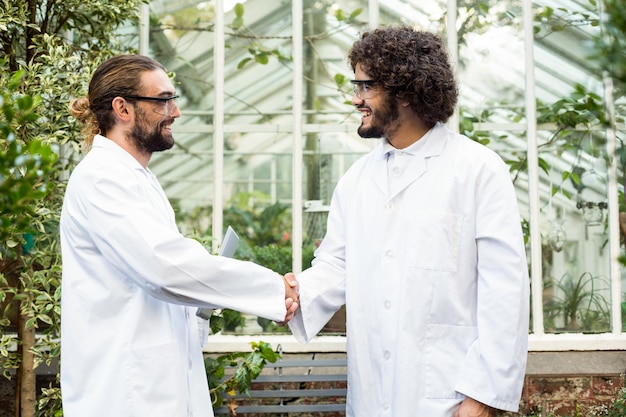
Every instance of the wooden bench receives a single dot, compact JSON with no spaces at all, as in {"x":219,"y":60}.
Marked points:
{"x":295,"y":384}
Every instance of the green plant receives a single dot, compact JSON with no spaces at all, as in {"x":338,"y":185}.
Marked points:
{"x":578,"y":303}
{"x":49,"y":50}
{"x":29,"y":276}
{"x":232,"y":319}
{"x":617,"y":407}
{"x":247,"y":367}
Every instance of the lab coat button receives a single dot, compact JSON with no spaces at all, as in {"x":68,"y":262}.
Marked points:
{"x":387,"y":355}
{"x":390,"y":206}
{"x":386,"y":406}
{"x":396,"y":170}
{"x":389,"y":254}
{"x":387,"y":305}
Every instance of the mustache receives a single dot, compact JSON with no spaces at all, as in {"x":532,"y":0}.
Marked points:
{"x":168,"y":121}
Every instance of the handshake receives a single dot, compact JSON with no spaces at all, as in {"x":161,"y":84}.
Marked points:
{"x":292,"y":297}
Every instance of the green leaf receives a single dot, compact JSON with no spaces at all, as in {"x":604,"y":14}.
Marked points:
{"x":25,"y":103}
{"x":45,"y":318}
{"x":243,"y":62}
{"x":31,"y":322}
{"x":239,"y":10}
{"x":356,"y":13}
{"x":237,"y":23}
{"x":544,"y":165}
{"x":340,"y":80}
{"x":262,"y":58}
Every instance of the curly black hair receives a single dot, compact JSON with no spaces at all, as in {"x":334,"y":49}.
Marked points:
{"x":413,"y":65}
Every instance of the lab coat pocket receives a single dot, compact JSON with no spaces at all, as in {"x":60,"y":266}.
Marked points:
{"x":445,"y":351}
{"x":433,"y":240}
{"x":156,"y":376}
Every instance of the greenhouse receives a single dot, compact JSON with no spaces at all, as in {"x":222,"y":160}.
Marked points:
{"x":267,"y":129}
{"x":266,"y":118}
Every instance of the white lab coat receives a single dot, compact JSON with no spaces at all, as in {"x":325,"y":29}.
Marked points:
{"x":131,"y":286}
{"x":434,"y":278}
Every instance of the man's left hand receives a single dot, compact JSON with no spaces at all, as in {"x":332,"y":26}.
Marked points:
{"x":292,"y":297}
{"x":472,"y":408}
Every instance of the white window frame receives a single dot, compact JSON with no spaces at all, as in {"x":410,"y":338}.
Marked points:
{"x":538,"y":340}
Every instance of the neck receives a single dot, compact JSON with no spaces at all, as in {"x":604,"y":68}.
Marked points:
{"x":407,"y":136}
{"x":409,"y":128}
{"x":121,"y":139}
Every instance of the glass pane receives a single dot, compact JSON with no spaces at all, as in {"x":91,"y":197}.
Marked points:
{"x":425,"y":14}
{"x":576,"y":261}
{"x":179,"y":40}
{"x":257,"y":175}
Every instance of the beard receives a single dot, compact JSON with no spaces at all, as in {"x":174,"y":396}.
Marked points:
{"x":382,"y":120}
{"x":150,"y":141}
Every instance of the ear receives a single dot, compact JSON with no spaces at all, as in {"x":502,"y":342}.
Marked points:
{"x":401,"y":101}
{"x":122,"y":109}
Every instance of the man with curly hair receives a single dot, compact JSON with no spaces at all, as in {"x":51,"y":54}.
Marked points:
{"x":424,"y":246}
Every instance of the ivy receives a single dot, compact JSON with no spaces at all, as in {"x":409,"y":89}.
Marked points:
{"x":246,"y":366}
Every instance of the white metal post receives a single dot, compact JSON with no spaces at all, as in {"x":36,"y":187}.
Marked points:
{"x":373,"y":14}
{"x":533,"y":172}
{"x":297,"y":155}
{"x":144,"y":28}
{"x":453,"y":52}
{"x":613,"y":202}
{"x":218,"y":124}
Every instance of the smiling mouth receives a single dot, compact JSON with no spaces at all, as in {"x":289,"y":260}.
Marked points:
{"x":167,"y":125}
{"x":365,"y":112}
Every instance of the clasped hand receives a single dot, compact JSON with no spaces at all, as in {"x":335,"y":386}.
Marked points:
{"x":292,"y":297}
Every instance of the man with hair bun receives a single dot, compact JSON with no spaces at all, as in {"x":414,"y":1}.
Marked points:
{"x":132,"y":283}
{"x":424,"y":246}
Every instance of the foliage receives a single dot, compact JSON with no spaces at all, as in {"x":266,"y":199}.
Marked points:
{"x":617,"y":407}
{"x":247,"y":367}
{"x":608,"y":49}
{"x":231,"y":319}
{"x":23,"y":165}
{"x":49,"y":51}
{"x":578,"y":303}
{"x":29,"y":272}
{"x":477,"y":17}
{"x":257,"y":220}
{"x":549,"y":20}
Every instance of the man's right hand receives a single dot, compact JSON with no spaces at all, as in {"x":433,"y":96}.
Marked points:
{"x":292,"y":297}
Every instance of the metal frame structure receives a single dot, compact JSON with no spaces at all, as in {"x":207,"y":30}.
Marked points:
{"x":535,"y":78}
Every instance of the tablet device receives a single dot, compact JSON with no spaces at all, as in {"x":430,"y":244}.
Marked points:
{"x":228,"y":248}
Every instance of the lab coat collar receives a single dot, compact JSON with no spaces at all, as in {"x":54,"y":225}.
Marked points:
{"x":430,"y":145}
{"x":107,"y":144}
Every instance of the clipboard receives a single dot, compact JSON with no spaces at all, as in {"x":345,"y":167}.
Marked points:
{"x":229,"y":243}
{"x":228,"y":248}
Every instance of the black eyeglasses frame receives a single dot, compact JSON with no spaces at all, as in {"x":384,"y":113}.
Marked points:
{"x":147,"y":98}
{"x":364,"y":88}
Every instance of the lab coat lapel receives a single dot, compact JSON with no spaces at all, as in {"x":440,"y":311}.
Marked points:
{"x":379,"y":169}
{"x":435,"y":142}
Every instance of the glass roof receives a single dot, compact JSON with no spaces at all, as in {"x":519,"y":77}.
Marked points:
{"x":258,"y":98}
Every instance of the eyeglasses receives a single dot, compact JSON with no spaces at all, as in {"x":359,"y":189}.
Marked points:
{"x":364,"y":89}
{"x":169,"y":103}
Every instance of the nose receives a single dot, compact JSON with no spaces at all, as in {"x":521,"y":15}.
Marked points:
{"x":356,"y":100}
{"x":175,"y":113}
